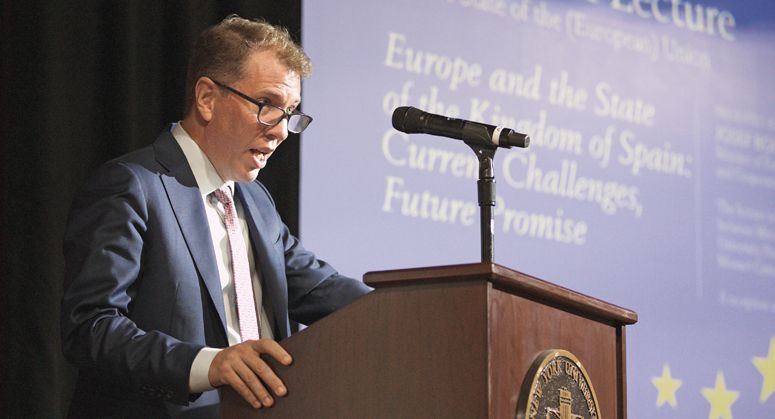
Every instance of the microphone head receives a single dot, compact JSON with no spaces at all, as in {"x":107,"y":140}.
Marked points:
{"x":407,"y":119}
{"x":516,"y":139}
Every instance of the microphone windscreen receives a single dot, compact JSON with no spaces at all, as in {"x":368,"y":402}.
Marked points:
{"x":407,"y":119}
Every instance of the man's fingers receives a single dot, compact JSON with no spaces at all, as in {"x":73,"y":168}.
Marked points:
{"x":263,"y":370}
{"x":248,"y":383}
{"x":242,"y":368}
{"x":267,"y":375}
{"x":227,"y":375}
{"x":272,"y":349}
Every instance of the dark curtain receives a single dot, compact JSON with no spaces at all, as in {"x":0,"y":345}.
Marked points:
{"x":84,"y":82}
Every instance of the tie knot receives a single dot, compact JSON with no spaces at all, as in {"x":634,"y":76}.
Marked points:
{"x":223,"y":195}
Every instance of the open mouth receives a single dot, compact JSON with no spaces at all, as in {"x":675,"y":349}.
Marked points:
{"x":261,"y":156}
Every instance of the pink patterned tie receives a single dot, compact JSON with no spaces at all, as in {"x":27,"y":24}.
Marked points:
{"x":243,"y":283}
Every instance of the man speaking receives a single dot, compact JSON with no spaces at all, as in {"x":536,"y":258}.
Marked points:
{"x":179,"y":271}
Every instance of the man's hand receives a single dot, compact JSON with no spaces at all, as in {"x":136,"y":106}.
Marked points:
{"x":241,"y":367}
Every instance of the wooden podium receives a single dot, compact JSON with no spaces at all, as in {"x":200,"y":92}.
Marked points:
{"x":445,"y":342}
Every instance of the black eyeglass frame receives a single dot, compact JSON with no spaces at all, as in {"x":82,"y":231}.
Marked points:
{"x":306,"y":119}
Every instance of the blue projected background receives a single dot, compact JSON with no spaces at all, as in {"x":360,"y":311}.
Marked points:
{"x":649,"y":182}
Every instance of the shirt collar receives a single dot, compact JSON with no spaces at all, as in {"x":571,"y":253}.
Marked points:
{"x":207,"y":178}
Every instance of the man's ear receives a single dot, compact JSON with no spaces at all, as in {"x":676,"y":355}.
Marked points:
{"x":204,"y":97}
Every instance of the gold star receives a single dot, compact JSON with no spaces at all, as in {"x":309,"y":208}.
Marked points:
{"x":667,"y":386}
{"x":766,"y":366}
{"x":720,"y":399}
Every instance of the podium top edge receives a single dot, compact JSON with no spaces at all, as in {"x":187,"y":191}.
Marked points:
{"x":508,"y":280}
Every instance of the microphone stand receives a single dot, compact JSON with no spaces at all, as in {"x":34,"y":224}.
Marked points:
{"x":478,"y":140}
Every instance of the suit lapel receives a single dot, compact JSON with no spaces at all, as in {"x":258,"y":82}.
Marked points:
{"x":269,"y":260}
{"x":186,"y":201}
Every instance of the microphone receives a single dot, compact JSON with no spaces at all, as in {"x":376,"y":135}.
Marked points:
{"x":412,"y":120}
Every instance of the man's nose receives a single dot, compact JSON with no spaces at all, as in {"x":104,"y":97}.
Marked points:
{"x":279,"y":132}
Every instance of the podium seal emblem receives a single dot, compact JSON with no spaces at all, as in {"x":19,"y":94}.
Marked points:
{"x":557,"y":387}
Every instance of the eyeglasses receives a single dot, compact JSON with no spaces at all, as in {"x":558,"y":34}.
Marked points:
{"x":271,"y":115}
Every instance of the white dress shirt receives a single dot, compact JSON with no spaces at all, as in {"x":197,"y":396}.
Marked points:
{"x":208,"y":180}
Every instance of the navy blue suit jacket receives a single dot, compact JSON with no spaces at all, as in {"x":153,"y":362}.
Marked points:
{"x":142,"y":290}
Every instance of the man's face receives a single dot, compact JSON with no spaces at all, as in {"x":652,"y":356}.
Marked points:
{"x":235,"y":141}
